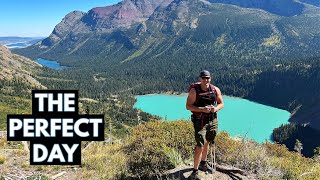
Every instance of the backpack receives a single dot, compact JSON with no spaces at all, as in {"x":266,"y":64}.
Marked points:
{"x":197,"y":87}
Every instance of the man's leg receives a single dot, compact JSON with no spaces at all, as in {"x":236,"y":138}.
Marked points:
{"x":199,"y":134}
{"x":212,"y":129}
{"x":203,"y":166}
{"x":205,"y":151}
{"x":209,"y":136}
{"x":197,"y":156}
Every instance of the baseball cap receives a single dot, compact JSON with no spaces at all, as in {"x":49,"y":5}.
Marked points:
{"x":204,"y":73}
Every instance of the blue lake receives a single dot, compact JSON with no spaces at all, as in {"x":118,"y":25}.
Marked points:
{"x":239,"y":117}
{"x":49,"y":63}
{"x":17,"y":45}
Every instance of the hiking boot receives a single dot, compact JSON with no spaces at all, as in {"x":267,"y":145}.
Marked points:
{"x":203,"y":166}
{"x":194,"y":176}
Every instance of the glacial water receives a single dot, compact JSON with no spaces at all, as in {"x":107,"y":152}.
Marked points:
{"x":239,"y":117}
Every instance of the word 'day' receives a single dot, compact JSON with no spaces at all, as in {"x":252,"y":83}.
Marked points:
{"x":55,"y":129}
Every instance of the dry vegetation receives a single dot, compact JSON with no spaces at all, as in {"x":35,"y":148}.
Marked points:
{"x":155,"y":147}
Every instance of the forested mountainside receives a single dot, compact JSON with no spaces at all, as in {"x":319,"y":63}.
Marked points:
{"x":20,"y":75}
{"x":17,"y":79}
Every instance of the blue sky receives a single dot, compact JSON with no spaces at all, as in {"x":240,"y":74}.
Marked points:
{"x":37,"y":18}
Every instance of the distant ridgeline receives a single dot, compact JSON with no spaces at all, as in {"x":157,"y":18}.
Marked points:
{"x":267,"y":52}
{"x":12,"y":39}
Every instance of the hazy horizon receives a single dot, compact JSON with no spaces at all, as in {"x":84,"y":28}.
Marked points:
{"x":36,"y":18}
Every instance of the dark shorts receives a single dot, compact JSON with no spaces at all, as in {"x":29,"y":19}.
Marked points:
{"x":205,"y":128}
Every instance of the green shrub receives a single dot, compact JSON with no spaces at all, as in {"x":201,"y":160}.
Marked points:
{"x":103,"y":162}
{"x":292,"y":164}
{"x":158,"y":146}
{"x":2,"y":159}
{"x":245,"y":154}
{"x":3,"y":142}
{"x":38,"y":177}
{"x":226,"y":148}
{"x":174,"y":156}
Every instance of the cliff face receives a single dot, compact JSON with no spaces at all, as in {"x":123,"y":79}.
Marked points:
{"x":17,"y":67}
{"x":65,"y":27}
{"x":125,"y":13}
{"x":103,"y":19}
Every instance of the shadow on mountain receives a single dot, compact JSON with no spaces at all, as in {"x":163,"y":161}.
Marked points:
{"x":289,"y":133}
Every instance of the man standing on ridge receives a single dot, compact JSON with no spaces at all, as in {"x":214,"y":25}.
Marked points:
{"x":201,"y":101}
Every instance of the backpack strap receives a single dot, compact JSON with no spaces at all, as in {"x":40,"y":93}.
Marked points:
{"x":213,"y":89}
{"x":196,"y":87}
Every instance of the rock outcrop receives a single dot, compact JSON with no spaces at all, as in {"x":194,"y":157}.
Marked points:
{"x":17,"y":67}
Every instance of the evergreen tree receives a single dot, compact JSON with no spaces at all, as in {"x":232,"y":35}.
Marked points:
{"x":317,"y":152}
{"x":298,"y":146}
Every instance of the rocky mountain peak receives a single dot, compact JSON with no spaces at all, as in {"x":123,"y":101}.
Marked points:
{"x":67,"y":25}
{"x":103,"y":12}
{"x":124,"y":13}
{"x":103,"y":19}
{"x":68,"y":22}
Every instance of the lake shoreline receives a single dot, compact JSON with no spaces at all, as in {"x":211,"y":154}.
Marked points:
{"x":52,"y":64}
{"x":229,"y":96}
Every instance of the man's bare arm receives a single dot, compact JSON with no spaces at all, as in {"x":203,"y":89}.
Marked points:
{"x":219,"y":101}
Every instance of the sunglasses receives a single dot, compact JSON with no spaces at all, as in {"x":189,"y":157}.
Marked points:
{"x":205,"y":77}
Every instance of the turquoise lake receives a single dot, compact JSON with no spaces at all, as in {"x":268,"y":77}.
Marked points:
{"x":49,"y":63}
{"x":239,"y":117}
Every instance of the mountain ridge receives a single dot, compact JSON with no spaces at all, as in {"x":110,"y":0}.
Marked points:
{"x":88,"y":24}
{"x":17,"y":67}
{"x":234,"y":42}
{"x":103,"y":19}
